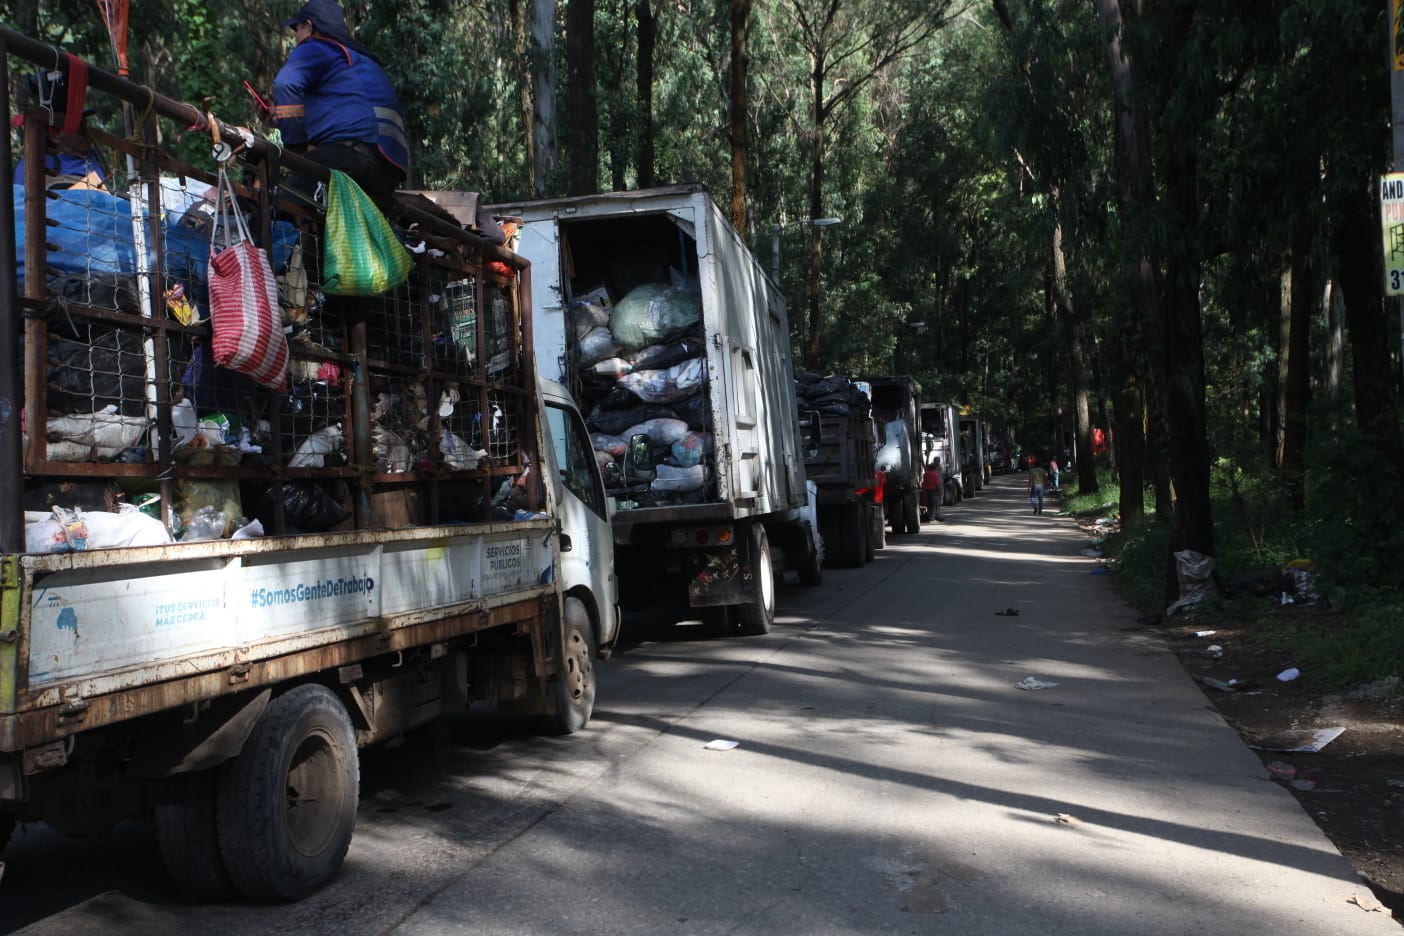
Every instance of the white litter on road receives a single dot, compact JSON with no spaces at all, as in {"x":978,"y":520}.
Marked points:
{"x":718,"y":744}
{"x":1305,"y":741}
{"x":1030,"y":683}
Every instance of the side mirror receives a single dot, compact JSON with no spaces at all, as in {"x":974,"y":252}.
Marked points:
{"x":638,"y":460}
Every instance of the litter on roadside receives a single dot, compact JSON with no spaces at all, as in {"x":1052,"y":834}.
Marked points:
{"x":1367,"y":902}
{"x":1303,"y":741}
{"x":1231,"y":685}
{"x":1092,"y":553}
{"x":1289,"y":674}
{"x":1280,"y":771}
{"x":1205,"y":633}
{"x":1303,"y":784}
{"x":719,"y":744}
{"x":1214,"y":650}
{"x":1008,"y":612}
{"x":1067,"y":819}
{"x":1031,"y":683}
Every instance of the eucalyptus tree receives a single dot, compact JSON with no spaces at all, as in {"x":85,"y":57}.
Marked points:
{"x":847,"y":43}
{"x":1052,"y":115}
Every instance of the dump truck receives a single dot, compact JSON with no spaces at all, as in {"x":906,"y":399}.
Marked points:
{"x":676,"y":345}
{"x":898,"y":456}
{"x":836,"y":437}
{"x":214,"y":590}
{"x":941,"y":440}
{"x":974,"y":464}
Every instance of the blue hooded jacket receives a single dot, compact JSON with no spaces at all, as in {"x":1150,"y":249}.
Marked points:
{"x":332,"y":90}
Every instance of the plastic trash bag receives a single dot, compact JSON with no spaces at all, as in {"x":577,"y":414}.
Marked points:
{"x":68,"y":530}
{"x":193,"y":497}
{"x":688,"y":450}
{"x":315,"y":448}
{"x":616,"y":421}
{"x":588,"y":312}
{"x":596,"y":345}
{"x":1195,"y":572}
{"x":669,"y":478}
{"x":693,"y":411}
{"x":665,"y":386}
{"x":611,"y":444}
{"x":663,"y":431}
{"x":661,"y":356}
{"x":654,"y":312}
{"x":306,"y":508}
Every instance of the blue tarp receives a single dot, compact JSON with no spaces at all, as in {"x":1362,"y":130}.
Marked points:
{"x":90,"y":231}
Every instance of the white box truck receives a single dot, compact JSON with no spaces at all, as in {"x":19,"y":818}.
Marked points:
{"x":420,"y":523}
{"x":676,"y":344}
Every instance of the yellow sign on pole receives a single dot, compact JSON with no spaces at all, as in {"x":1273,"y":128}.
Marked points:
{"x":1392,"y":220}
{"x":1397,"y":22}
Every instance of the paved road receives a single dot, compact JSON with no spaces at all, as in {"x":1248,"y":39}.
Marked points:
{"x":889,"y":778}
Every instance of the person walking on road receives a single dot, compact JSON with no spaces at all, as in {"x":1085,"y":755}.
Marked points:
{"x":1038,"y":480}
{"x":1053,"y":473}
{"x":931,"y":487}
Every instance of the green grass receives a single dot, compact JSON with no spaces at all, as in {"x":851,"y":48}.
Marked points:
{"x":1354,"y":634}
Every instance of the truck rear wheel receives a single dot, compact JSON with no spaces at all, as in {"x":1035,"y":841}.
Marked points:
{"x":897,"y":514}
{"x":865,"y":519}
{"x":755,"y":618}
{"x":286,"y":805}
{"x":575,"y":681}
{"x":913,"y":513}
{"x":188,"y":838}
{"x":811,"y":574}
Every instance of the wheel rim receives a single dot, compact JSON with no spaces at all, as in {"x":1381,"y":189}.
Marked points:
{"x":767,"y":580}
{"x":576,"y":665}
{"x":313,"y":804}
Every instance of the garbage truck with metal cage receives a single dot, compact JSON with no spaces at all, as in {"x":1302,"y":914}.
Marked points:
{"x":837,"y":439}
{"x":676,"y":344}
{"x":212,"y":591}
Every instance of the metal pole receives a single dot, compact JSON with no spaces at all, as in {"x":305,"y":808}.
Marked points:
{"x":11,"y":361}
{"x":1396,"y":93}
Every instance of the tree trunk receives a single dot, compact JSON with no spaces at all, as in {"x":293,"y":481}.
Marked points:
{"x":816,"y":203}
{"x":1136,"y":189}
{"x":544,"y":146}
{"x":740,"y":109}
{"x":580,"y":97}
{"x":648,"y":37}
{"x":1077,"y":363}
{"x":517,"y":10}
{"x":1293,"y":366}
{"x":1184,"y":366}
{"x":1335,"y":340}
{"x":1129,"y":441}
{"x":1355,"y":243}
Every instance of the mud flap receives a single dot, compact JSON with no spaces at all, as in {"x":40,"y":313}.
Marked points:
{"x":722,"y":575}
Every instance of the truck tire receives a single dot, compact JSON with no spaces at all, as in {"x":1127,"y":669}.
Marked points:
{"x":574,"y":685}
{"x":188,"y":838}
{"x":286,"y":805}
{"x":913,"y":513}
{"x":853,"y":536}
{"x":756,"y":618}
{"x":897,"y":515}
{"x":865,"y":518}
{"x":811,"y":574}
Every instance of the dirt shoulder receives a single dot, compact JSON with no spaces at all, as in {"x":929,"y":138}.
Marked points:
{"x":1354,"y":786}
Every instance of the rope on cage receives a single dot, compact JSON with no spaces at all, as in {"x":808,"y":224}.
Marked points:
{"x":114,"y":17}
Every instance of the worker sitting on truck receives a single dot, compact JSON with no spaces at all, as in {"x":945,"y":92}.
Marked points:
{"x":334,"y":104}
{"x":931,"y":487}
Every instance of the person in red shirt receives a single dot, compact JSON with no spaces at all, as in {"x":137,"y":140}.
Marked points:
{"x":931,"y":488}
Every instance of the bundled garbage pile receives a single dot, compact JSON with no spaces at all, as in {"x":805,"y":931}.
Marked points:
{"x":643,"y":375}
{"x":834,"y":395}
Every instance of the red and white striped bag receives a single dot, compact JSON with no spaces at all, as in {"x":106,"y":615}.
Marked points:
{"x":244,"y":311}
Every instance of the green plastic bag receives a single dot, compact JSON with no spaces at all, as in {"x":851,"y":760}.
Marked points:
{"x":361,"y":255}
